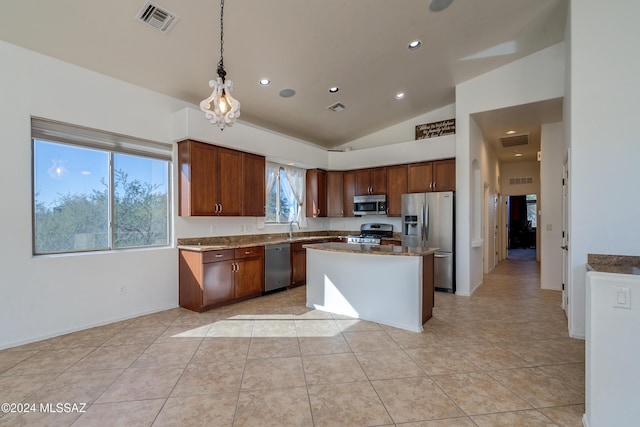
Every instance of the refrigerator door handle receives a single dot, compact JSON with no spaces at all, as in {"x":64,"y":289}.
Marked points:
{"x":426,"y":225}
{"x":441,"y":255}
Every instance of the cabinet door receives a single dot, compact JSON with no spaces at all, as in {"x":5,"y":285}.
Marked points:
{"x":230,"y":182}
{"x":348,"y":191}
{"x":249,"y":280}
{"x":198,"y":180}
{"x":363,"y":182}
{"x":334,"y":194}
{"x":396,"y":186}
{"x":253,"y":185}
{"x":444,"y":175}
{"x":316,"y":198}
{"x":379,"y":180}
{"x":217,"y":282}
{"x":420,"y":177}
{"x":298,"y":264}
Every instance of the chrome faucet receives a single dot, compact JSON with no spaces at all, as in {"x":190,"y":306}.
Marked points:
{"x":291,"y":228}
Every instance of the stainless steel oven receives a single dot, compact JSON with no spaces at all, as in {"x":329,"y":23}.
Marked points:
{"x":370,"y":205}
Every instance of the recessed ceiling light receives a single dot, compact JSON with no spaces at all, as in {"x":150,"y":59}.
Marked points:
{"x":334,"y":89}
{"x":265,"y":82}
{"x":511,"y":132}
{"x":400,"y":95}
{"x":414,"y":45}
{"x":287,"y":93}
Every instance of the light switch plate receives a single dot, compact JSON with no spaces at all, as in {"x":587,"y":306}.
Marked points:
{"x":622,"y":297}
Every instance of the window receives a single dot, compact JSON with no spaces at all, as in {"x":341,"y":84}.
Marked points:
{"x":285,"y":186}
{"x":97,"y":191}
{"x":532,"y":210}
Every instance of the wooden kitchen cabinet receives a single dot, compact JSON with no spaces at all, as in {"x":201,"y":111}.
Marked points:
{"x":335,"y":188}
{"x":249,"y":272}
{"x":444,"y":175}
{"x":371,"y":181}
{"x":215,"y":278}
{"x":439,"y":175}
{"x":298,"y":264}
{"x":420,"y":177}
{"x":348,"y":192}
{"x":210,"y":180}
{"x":397,"y":185}
{"x":299,"y":261}
{"x":253,"y":185}
{"x":316,"y":198}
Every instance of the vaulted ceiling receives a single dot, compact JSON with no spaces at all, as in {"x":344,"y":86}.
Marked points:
{"x":359,"y":46}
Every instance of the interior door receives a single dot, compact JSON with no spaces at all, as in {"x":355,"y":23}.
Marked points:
{"x":565,"y":237}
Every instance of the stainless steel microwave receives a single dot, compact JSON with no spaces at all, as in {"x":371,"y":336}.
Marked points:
{"x":370,"y":205}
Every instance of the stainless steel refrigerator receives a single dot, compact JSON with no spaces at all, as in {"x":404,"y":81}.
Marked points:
{"x":428,"y":221}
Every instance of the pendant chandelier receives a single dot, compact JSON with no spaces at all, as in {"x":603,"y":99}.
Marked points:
{"x":220,"y":107}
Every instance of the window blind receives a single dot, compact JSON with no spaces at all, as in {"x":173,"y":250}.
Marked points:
{"x":54,"y":131}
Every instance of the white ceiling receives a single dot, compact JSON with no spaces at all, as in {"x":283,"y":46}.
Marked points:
{"x":305,"y":45}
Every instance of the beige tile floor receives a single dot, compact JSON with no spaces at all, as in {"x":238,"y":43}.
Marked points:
{"x":499,"y":358}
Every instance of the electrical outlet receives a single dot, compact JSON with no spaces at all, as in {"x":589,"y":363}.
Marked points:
{"x":212,"y":229}
{"x":122,"y":290}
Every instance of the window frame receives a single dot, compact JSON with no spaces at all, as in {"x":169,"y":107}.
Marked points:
{"x":281,"y":169}
{"x":53,"y":132}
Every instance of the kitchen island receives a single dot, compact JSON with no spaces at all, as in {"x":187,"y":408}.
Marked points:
{"x":391,"y":285}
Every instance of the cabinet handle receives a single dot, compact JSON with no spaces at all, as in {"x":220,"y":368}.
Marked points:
{"x":248,"y":252}
{"x":219,"y":255}
{"x":220,"y":204}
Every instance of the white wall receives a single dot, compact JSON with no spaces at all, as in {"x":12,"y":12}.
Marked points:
{"x":537,"y":77}
{"x":48,"y":295}
{"x":490,"y":169}
{"x":553,"y":150}
{"x":604,"y":136}
{"x":521,"y":170}
{"x":611,"y":353}
{"x":401,"y":132}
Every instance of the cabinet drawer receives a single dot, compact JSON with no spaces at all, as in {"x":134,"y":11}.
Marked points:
{"x":249,"y":252}
{"x":215,"y":256}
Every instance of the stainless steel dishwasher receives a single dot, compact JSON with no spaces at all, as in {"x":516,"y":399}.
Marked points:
{"x":277,"y":267}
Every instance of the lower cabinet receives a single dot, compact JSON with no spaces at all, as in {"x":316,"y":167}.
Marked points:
{"x":299,"y":261}
{"x":215,"y":278}
{"x":249,"y":272}
{"x":298,"y":265}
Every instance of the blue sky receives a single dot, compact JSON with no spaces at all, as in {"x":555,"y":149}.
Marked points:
{"x":61,"y":169}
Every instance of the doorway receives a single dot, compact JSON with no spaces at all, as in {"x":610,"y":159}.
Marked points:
{"x":522,"y":226}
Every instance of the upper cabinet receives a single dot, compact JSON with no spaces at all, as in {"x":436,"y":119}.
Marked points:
{"x":316,"y":193}
{"x":397,"y":177}
{"x":348,"y":192}
{"x":439,"y":175}
{"x":335,"y":188}
{"x":214,"y":181}
{"x":371,"y":181}
{"x":253,"y":185}
{"x":444,"y":175}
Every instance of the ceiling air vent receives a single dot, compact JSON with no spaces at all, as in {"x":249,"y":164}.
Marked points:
{"x":515,"y":140}
{"x":157,"y":17}
{"x":336,"y":107}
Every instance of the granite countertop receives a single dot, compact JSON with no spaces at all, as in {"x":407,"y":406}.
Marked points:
{"x":371,"y":249}
{"x":204,"y":244}
{"x":620,"y":264}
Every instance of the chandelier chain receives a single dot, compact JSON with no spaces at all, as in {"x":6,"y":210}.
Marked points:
{"x":221,"y":72}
